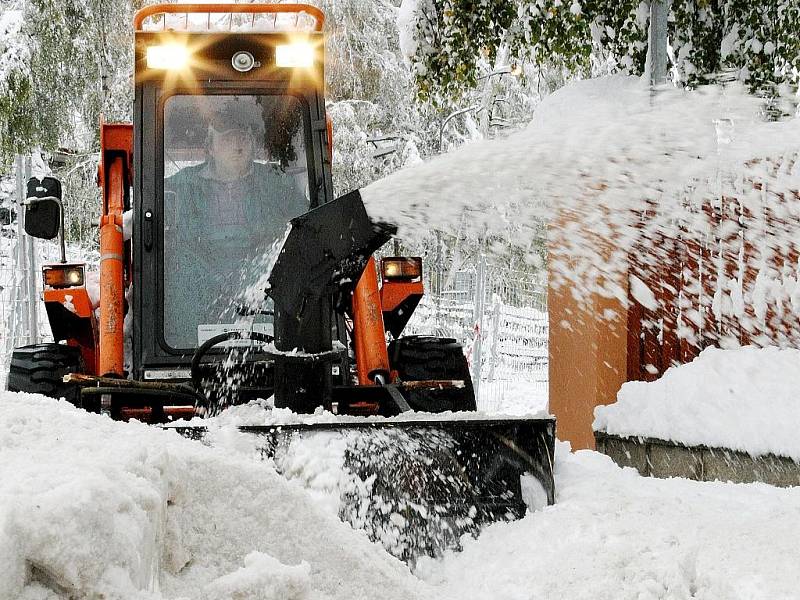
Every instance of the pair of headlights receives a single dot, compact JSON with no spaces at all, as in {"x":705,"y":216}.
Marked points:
{"x":392,"y":269}
{"x":175,"y":57}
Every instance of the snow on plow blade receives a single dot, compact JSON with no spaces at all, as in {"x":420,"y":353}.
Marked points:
{"x":418,"y":485}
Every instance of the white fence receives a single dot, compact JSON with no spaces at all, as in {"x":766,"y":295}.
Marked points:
{"x":22,"y":317}
{"x":500,"y":316}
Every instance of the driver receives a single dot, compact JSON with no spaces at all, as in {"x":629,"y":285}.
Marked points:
{"x":231,"y":189}
{"x":228,"y":212}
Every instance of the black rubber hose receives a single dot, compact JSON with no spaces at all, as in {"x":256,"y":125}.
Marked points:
{"x":218,"y":339}
{"x":258,"y":337}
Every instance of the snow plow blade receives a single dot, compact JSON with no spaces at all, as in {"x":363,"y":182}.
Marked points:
{"x":418,"y":485}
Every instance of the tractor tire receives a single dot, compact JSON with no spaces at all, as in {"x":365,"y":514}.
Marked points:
{"x":39,"y":369}
{"x":420,"y":358}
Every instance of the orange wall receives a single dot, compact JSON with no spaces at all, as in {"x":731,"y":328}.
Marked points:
{"x":588,"y":353}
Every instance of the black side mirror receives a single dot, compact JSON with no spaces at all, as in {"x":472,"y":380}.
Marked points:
{"x":43,"y":207}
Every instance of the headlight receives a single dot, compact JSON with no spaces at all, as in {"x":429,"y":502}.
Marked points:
{"x":401,"y":269}
{"x":63,"y":276}
{"x":297,"y":54}
{"x":171,"y":57}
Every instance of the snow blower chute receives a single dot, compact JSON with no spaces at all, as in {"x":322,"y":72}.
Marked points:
{"x":225,"y":304}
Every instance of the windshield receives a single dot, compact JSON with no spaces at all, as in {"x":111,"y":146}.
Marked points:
{"x":235,"y":173}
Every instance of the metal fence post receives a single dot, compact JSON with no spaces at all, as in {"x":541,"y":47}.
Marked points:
{"x":480,"y":287}
{"x":497,"y":307}
{"x":17,"y":264}
{"x":24,"y":315}
{"x":31,"y":274}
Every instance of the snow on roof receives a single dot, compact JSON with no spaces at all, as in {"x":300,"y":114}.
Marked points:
{"x":599,"y":149}
{"x":199,"y":21}
{"x":741,"y":398}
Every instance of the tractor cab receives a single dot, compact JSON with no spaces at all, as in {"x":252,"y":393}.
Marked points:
{"x":231,"y":143}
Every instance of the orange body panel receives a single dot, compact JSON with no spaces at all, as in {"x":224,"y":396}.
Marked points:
{"x":78,"y":301}
{"x":394,"y":293}
{"x":156,"y":9}
{"x":116,"y":138}
{"x":369,"y":334}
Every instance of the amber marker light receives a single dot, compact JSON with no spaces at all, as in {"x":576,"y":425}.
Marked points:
{"x":63,"y":277}
{"x":401,"y":269}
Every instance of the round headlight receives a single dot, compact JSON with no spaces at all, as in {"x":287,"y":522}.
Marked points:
{"x":243,"y":61}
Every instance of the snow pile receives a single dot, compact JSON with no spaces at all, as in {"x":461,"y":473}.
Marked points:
{"x":264,"y":578}
{"x":368,"y":476}
{"x":91,"y":508}
{"x":613,"y":535}
{"x":742,"y":398}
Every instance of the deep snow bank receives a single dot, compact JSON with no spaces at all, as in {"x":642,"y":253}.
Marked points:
{"x":742,"y":398}
{"x":614,"y":535}
{"x":90,"y":507}
{"x":93,"y":508}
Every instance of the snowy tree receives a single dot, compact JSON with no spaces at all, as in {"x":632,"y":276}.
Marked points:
{"x":62,"y":65}
{"x":370,"y":93}
{"x":756,"y":42}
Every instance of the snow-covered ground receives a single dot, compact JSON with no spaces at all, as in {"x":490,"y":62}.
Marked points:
{"x":513,"y":397}
{"x":740,"y":398}
{"x":91,"y":508}
{"x":615,"y":535}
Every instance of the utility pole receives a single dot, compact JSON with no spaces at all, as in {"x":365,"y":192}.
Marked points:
{"x":657,"y":60}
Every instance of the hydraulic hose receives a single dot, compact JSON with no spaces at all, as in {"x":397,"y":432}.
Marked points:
{"x":257,"y":337}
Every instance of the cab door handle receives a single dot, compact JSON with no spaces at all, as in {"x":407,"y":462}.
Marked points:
{"x":148,"y":230}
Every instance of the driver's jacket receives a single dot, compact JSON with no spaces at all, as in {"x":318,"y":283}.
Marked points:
{"x":216,"y":239}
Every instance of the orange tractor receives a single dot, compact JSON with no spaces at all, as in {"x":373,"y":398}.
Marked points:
{"x":242,"y":277}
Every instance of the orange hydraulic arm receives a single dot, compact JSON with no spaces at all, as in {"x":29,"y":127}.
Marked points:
{"x":116,"y":141}
{"x":372,"y":357}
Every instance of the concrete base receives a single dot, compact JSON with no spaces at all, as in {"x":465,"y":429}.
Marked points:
{"x":660,"y":458}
